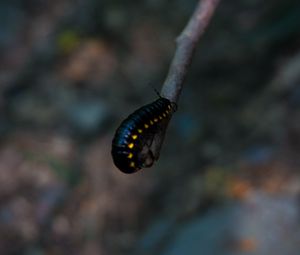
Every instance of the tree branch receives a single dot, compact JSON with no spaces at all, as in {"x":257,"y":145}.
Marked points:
{"x":186,"y":44}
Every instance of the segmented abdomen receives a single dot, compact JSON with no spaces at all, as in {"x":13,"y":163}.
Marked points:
{"x":136,"y":133}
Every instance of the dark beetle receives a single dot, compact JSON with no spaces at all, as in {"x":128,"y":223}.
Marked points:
{"x":131,"y":145}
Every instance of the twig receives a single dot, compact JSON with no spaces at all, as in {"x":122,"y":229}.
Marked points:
{"x":186,"y":44}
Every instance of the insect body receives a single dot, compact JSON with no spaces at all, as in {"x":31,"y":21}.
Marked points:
{"x":131,"y":146}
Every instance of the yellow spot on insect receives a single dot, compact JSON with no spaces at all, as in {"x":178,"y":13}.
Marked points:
{"x":134,"y":137}
{"x":151,"y":122}
{"x":164,"y":115}
{"x":155,"y":120}
{"x":160,"y":117}
{"x":146,"y":126}
{"x":167,"y":112}
{"x":132,"y":164}
{"x":169,"y":106}
{"x":130,"y":146}
{"x":140,"y":131}
{"x":130,"y":155}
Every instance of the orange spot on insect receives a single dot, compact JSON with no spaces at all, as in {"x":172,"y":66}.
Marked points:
{"x":146,"y":126}
{"x":130,"y":155}
{"x":130,"y":146}
{"x":134,"y":137}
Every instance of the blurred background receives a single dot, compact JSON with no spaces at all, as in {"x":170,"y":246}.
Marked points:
{"x":228,"y":179}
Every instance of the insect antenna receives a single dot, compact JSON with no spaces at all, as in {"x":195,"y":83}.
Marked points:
{"x":155,"y":90}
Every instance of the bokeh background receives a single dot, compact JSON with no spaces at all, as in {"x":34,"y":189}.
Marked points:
{"x":228,"y":178}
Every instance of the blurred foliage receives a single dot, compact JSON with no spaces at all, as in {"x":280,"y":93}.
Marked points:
{"x":228,"y":178}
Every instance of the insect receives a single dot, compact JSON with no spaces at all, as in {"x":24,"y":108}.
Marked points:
{"x":131,"y":145}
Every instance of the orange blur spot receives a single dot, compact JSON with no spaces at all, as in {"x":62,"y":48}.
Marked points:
{"x":246,"y":245}
{"x":239,"y":189}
